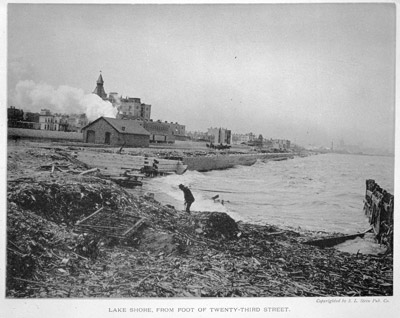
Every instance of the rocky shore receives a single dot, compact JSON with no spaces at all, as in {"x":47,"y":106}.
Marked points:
{"x":173,"y":254}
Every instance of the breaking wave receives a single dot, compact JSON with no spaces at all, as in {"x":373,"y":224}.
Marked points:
{"x":321,"y":193}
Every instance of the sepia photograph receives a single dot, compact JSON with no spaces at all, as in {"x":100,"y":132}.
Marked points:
{"x":161,"y":159}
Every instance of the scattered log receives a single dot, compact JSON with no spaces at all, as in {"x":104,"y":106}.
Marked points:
{"x":332,"y":241}
{"x":73,"y":160}
{"x":91,"y":215}
{"x":89,"y":171}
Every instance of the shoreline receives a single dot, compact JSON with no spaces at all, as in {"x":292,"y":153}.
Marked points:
{"x":364,"y":245}
{"x":206,"y":254}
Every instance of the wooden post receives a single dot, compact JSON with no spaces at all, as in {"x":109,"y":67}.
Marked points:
{"x":90,"y":215}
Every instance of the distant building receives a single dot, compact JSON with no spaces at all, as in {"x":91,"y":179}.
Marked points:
{"x":99,"y":90}
{"x":267,"y":143}
{"x":116,"y":132}
{"x":219,"y":135}
{"x":252,"y":137}
{"x":31,"y":117}
{"x":128,"y":107}
{"x":159,"y":132}
{"x":61,"y":122}
{"x":14,"y":116}
{"x":54,"y":122}
{"x":31,"y":121}
{"x":242,"y":138}
{"x":280,"y":144}
{"x":132,"y":108}
{"x":46,"y":120}
{"x":17,"y":118}
{"x":178,"y":131}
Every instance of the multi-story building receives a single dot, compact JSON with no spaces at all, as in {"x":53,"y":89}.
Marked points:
{"x":46,"y":120}
{"x":31,"y":117}
{"x":14,"y":116}
{"x":280,"y":144}
{"x":159,"y":132}
{"x":132,"y":108}
{"x":31,"y":121}
{"x":219,"y":135}
{"x":55,"y":122}
{"x":128,"y":107}
{"x":17,"y":118}
{"x":242,"y":138}
{"x":61,"y":122}
{"x":177,"y":130}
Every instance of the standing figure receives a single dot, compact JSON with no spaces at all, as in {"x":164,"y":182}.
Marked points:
{"x":189,"y":198}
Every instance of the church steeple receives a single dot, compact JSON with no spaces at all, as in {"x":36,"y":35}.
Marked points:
{"x":99,"y":90}
{"x":100,"y":80}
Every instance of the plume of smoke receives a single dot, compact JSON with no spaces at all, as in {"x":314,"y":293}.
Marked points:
{"x":32,"y":96}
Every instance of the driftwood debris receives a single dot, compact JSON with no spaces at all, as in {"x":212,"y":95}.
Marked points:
{"x":93,"y":170}
{"x":127,"y":181}
{"x":72,"y":159}
{"x":54,"y":165}
{"x":112,"y":224}
{"x":204,"y":254}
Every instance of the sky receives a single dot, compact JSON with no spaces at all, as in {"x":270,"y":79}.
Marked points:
{"x":310,"y":73}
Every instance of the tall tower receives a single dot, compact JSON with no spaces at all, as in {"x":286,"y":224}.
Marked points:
{"x":99,"y":90}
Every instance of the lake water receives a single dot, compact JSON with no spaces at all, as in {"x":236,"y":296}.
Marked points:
{"x":319,"y":193}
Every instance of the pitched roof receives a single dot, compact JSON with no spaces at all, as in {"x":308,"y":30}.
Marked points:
{"x":100,"y":80}
{"x":99,"y":90}
{"x":131,"y":126}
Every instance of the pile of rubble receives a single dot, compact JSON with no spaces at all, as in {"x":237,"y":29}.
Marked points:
{"x":38,"y":248}
{"x":214,"y":225}
{"x":66,"y":200}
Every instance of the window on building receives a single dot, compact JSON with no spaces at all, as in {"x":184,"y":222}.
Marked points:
{"x":123,"y":128}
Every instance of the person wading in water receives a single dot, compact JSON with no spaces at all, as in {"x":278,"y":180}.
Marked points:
{"x":189,"y":198}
